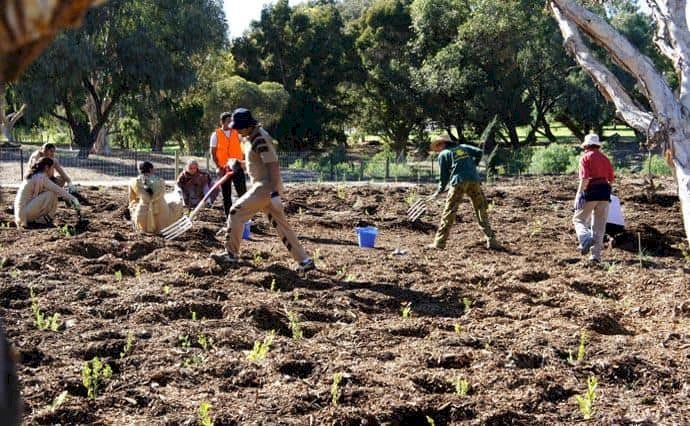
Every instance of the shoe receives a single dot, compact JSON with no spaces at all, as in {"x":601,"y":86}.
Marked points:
{"x":594,"y":260}
{"x":306,"y":266}
{"x":586,"y":246}
{"x":224,"y":257}
{"x":433,"y":246}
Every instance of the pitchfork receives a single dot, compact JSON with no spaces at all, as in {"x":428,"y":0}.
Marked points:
{"x":185,"y":223}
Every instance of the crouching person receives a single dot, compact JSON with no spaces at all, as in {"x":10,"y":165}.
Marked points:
{"x":37,"y":197}
{"x":150,"y":209}
{"x":263,"y":195}
{"x":194,"y":185}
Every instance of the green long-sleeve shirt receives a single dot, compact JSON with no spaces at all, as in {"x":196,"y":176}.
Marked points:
{"x":458,"y":163}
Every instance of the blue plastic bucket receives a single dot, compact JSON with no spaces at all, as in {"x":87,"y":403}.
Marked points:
{"x":247,"y":230}
{"x":366,"y":236}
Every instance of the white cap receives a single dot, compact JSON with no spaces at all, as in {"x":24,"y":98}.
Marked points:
{"x":591,"y":139}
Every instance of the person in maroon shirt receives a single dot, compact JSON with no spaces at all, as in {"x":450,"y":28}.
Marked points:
{"x":591,"y":204}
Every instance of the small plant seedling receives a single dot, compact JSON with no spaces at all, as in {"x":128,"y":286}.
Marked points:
{"x":58,"y":401}
{"x":535,"y":228}
{"x":462,"y":387}
{"x":411,"y":197}
{"x":166,"y":289}
{"x":184,"y":342}
{"x":194,"y":317}
{"x":581,"y":351}
{"x":128,"y":345}
{"x":457,"y":328}
{"x":430,"y":421}
{"x":335,"y":388}
{"x":52,"y":323}
{"x":14,"y":274}
{"x":406,"y":310}
{"x":118,"y":276}
{"x":586,"y":402}
{"x":205,"y":342}
{"x":66,"y":231}
{"x":466,"y":304}
{"x":260,"y":350}
{"x":205,"y":414}
{"x":295,"y":325}
{"x":258,"y":259}
{"x":93,"y":374}
{"x":295,"y":296}
{"x":317,"y":255}
{"x":274,"y":286}
{"x":3,"y":261}
{"x":350,"y":278}
{"x":340,"y":192}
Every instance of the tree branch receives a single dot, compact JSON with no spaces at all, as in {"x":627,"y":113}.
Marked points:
{"x":605,"y":80}
{"x":639,"y":66}
{"x":15,"y":116}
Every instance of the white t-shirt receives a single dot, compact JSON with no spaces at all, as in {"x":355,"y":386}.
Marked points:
{"x":615,"y":212}
{"x":214,"y":138}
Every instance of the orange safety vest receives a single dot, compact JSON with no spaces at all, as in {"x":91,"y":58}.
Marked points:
{"x":228,"y":147}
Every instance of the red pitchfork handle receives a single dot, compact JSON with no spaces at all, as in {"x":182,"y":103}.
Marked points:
{"x":213,"y":188}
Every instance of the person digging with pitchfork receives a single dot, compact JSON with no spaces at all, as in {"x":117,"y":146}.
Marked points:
{"x":458,"y":165}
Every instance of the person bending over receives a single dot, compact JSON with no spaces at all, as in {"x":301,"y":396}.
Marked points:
{"x":150,"y":209}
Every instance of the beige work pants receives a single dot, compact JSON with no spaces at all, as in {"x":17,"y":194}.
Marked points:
{"x":590,"y":221}
{"x":258,"y":199}
{"x":44,"y":204}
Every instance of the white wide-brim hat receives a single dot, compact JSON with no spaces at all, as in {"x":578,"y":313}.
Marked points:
{"x":591,"y":139}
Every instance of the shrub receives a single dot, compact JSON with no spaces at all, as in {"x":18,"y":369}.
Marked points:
{"x":554,"y":159}
{"x":657,"y":166}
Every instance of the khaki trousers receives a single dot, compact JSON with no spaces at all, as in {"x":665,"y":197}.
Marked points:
{"x":44,"y":204}
{"x":590,"y":222}
{"x":258,"y":199}
{"x":473,"y":190}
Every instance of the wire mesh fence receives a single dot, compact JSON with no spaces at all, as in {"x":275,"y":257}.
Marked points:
{"x":120,"y":165}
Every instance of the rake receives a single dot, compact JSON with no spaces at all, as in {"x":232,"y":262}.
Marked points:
{"x":416,"y":210}
{"x":185,"y":223}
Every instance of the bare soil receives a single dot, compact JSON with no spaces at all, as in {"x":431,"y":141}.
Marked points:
{"x":519,"y":312}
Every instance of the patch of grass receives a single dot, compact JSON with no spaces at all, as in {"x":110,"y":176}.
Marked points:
{"x":260,"y":349}
{"x":406,"y":310}
{"x":93,"y":374}
{"x":52,"y":323}
{"x":129,"y":345}
{"x":205,"y":414}
{"x":462,"y":387}
{"x":586,"y":402}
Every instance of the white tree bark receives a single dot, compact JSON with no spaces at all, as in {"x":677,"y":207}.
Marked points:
{"x":669,"y":119}
{"x":7,"y":121}
{"x":94,"y":112}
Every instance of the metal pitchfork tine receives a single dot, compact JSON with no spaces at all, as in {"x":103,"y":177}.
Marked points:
{"x":416,"y":210}
{"x":185,"y":223}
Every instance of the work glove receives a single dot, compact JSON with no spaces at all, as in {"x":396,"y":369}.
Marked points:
{"x":276,"y":202}
{"x":75,"y":204}
{"x":579,"y":201}
{"x":71,"y":188}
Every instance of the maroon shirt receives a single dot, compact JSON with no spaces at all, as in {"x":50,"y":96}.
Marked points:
{"x":596,"y":166}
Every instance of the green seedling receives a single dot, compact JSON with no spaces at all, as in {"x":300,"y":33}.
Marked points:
{"x":129,"y":345}
{"x":184,"y":342}
{"x":586,"y":402}
{"x":406,"y":310}
{"x":274,"y":286}
{"x":118,"y":276}
{"x":295,"y":325}
{"x":295,"y":296}
{"x":3,"y":262}
{"x":166,"y":290}
{"x":66,"y":231}
{"x":317,"y":255}
{"x":462,"y":387}
{"x":340,"y":192}
{"x":350,"y":278}
{"x":335,"y":388}
{"x":193,"y":315}
{"x":260,"y":350}
{"x":205,"y":414}
{"x":93,"y":374}
{"x":14,"y":274}
{"x":466,"y":304}
{"x":457,"y":328}
{"x":258,"y":259}
{"x":58,"y":401}
{"x":430,"y":421}
{"x":205,"y":342}
{"x":581,"y":351}
{"x":52,"y":323}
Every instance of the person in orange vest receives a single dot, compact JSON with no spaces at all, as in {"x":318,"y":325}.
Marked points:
{"x":228,"y":156}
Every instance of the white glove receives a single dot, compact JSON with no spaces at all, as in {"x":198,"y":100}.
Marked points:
{"x":579,"y":201}
{"x":76,"y":205}
{"x":71,"y":188}
{"x":276,"y":202}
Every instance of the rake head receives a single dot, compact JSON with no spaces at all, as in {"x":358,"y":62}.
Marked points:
{"x":416,"y":210}
{"x":178,"y":228}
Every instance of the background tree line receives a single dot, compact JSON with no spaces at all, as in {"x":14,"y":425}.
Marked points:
{"x":142,"y":74}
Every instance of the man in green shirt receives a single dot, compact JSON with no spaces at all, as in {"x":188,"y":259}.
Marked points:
{"x":458,"y":164}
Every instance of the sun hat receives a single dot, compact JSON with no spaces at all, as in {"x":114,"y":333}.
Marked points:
{"x":242,"y":119}
{"x":439,"y":140}
{"x":591,"y":139}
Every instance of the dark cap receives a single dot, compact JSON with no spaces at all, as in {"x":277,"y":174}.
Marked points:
{"x":242,"y":119}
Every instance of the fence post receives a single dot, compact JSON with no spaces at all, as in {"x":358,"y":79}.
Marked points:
{"x":332,"y":168}
{"x":388,"y":166}
{"x":177,"y":163}
{"x":361,"y":169}
{"x":136,"y":162}
{"x":432,"y":169}
{"x":21,"y":165}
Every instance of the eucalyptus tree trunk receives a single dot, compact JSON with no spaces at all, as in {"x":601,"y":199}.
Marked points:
{"x":7,"y":121}
{"x":667,"y":122}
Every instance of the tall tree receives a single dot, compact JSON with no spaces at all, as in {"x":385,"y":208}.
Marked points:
{"x":123,"y":49}
{"x":666,"y":119}
{"x":8,"y":119}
